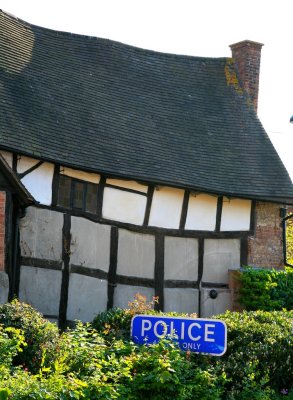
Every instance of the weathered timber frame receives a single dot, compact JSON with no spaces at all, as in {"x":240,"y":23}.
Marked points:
{"x":158,"y":283}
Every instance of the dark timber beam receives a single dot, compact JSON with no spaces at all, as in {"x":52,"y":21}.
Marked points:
{"x":66,"y":241}
{"x":112,"y":275}
{"x":159,"y":271}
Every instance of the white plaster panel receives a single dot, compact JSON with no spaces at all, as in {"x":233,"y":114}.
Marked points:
{"x":39,"y":181}
{"x":84,"y":176}
{"x":136,"y":254}
{"x":87,"y":297}
{"x":235,"y":215}
{"x":220,"y":255}
{"x":128,"y":184}
{"x":125,"y":293}
{"x":166,"y":208}
{"x":181,"y":258}
{"x":202,"y":212}
{"x":211,"y":307}
{"x":90,"y":244}
{"x":41,"y":234}
{"x":181,"y":300}
{"x":24,"y":163}
{"x":124,"y":206}
{"x":7,"y":157}
{"x":41,"y":288}
{"x":4,"y":287}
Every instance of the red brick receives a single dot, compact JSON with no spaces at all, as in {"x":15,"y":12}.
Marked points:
{"x":247,"y":55}
{"x":265,"y":248}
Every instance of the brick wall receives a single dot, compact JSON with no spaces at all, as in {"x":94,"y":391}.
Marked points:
{"x":2,"y":230}
{"x":247,"y":55}
{"x":265,"y":249}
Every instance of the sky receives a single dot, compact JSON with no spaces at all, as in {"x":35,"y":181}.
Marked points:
{"x":192,"y":27}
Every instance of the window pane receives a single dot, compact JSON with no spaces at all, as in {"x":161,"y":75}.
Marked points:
{"x":64,"y":191}
{"x":91,"y":198}
{"x":78,"y":195}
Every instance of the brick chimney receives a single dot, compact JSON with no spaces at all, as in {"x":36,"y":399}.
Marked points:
{"x":246,"y":55}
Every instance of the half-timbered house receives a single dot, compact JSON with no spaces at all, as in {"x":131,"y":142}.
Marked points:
{"x":131,"y":171}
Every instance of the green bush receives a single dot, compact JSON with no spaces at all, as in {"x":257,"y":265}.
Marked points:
{"x":23,"y":386}
{"x":81,"y":350}
{"x":259,"y":351}
{"x":258,"y":363}
{"x":266,"y":289}
{"x":11,"y":343}
{"x":114,"y":323}
{"x":121,"y":369}
{"x":87,"y":364}
{"x":283,"y":291}
{"x":162,"y":371}
{"x":41,"y":336}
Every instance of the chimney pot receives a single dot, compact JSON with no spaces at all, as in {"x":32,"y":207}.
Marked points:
{"x":246,"y":55}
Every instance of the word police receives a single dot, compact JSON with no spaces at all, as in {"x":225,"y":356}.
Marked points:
{"x":161,"y":330}
{"x":198,"y":335}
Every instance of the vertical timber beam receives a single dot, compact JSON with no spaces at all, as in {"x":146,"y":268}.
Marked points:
{"x":243,"y":251}
{"x":112,"y":276}
{"x":55,"y":185}
{"x":159,"y":271}
{"x":200,"y":271}
{"x":219,"y":213}
{"x":150,"y":195}
{"x":252,"y":217}
{"x":184,"y":209}
{"x":14,"y":162}
{"x":66,"y":241}
{"x":100,"y":199}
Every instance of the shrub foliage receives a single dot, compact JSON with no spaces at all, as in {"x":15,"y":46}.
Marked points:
{"x":99,"y":360}
{"x":259,"y":351}
{"x":40,"y":335}
{"x":266,"y":289}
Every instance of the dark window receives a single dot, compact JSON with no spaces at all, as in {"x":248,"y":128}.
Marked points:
{"x":64,"y":191}
{"x":79,"y":190}
{"x":77,"y":194}
{"x":91,"y":198}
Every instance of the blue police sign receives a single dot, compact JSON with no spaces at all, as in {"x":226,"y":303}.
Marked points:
{"x":208,"y":336}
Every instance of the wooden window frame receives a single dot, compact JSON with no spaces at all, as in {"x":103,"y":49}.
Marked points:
{"x":85,"y":184}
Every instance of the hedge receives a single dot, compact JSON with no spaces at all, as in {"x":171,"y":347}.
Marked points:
{"x":266,"y":289}
{"x":98,"y":361}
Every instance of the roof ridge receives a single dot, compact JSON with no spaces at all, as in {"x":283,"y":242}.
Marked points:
{"x":116,"y":43}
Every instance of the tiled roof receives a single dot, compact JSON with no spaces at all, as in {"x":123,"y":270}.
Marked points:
{"x":103,"y":106}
